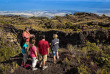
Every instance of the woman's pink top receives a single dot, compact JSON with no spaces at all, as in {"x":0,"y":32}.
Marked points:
{"x":32,"y":51}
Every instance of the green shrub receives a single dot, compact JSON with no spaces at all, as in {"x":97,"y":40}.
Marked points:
{"x":66,"y":63}
{"x":7,"y":48}
{"x":68,"y":24}
{"x":103,"y":59}
{"x":4,"y":68}
{"x":6,"y":53}
{"x":89,"y":59}
{"x":70,"y":47}
{"x":82,"y":69}
{"x":102,"y":71}
{"x":106,"y":49}
{"x":92,"y":47}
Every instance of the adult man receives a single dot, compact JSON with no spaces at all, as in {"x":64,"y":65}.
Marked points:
{"x":27,"y":35}
{"x":43,"y":48}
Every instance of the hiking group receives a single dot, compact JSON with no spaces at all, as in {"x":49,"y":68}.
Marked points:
{"x":39,"y":55}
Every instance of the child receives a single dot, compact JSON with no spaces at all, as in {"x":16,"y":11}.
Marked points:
{"x":43,"y":48}
{"x":33,"y":54}
{"x":55,"y":47}
{"x":25,"y":53}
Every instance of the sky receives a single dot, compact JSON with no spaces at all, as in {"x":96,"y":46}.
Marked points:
{"x":31,"y":5}
{"x":80,"y":0}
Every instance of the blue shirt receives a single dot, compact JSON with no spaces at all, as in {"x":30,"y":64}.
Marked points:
{"x":23,"y":48}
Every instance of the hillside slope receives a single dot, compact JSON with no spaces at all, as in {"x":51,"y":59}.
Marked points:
{"x":84,"y":41}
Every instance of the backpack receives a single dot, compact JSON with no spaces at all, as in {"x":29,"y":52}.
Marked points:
{"x":23,"y":39}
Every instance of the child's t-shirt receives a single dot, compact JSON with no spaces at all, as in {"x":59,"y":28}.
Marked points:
{"x":32,"y":51}
{"x":55,"y":44}
{"x":23,"y":48}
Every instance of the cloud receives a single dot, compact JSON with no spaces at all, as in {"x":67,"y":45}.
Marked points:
{"x":37,"y":14}
{"x":16,"y":13}
{"x":48,"y":14}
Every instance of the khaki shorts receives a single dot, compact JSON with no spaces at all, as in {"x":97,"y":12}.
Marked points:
{"x":42,"y":57}
{"x":28,"y":45}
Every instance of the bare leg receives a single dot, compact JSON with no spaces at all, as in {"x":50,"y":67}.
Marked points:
{"x":43,"y":64}
{"x":40,"y":63}
{"x":24,"y":59}
{"x":40,"y":60}
{"x":57,"y":54}
{"x":54,"y":58}
{"x":24,"y":63}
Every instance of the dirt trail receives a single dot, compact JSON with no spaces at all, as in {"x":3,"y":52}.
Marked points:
{"x":52,"y":68}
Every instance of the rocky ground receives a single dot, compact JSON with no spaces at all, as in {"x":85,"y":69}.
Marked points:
{"x":52,"y":68}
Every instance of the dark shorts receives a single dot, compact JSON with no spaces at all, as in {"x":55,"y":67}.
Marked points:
{"x":54,"y":53}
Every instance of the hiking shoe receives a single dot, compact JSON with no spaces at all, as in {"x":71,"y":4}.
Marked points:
{"x":58,"y":57}
{"x":44,"y":67}
{"x":22,"y":64}
{"x":27,"y":65}
{"x":54,"y":62}
{"x":40,"y":64}
{"x":33,"y":69}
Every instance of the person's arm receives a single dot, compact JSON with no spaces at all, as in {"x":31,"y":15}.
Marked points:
{"x":52,"y":44}
{"x":58,"y":41}
{"x":48,"y":51}
{"x":31,"y":35}
{"x":36,"y":53}
{"x":35,"y":50}
{"x":27,"y":37}
{"x":48,"y":48}
{"x":38,"y":50}
{"x":24,"y":35}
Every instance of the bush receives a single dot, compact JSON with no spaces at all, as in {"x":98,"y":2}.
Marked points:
{"x":92,"y":46}
{"x":3,"y":68}
{"x":82,"y":69}
{"x":66,"y":63}
{"x":7,"y":47}
{"x":68,"y":24}
{"x":71,"y":48}
{"x":6,"y":53}
{"x":88,"y":59}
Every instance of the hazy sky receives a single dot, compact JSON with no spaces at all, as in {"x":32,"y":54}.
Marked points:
{"x":83,"y":5}
{"x":79,"y":0}
{"x":55,"y":0}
